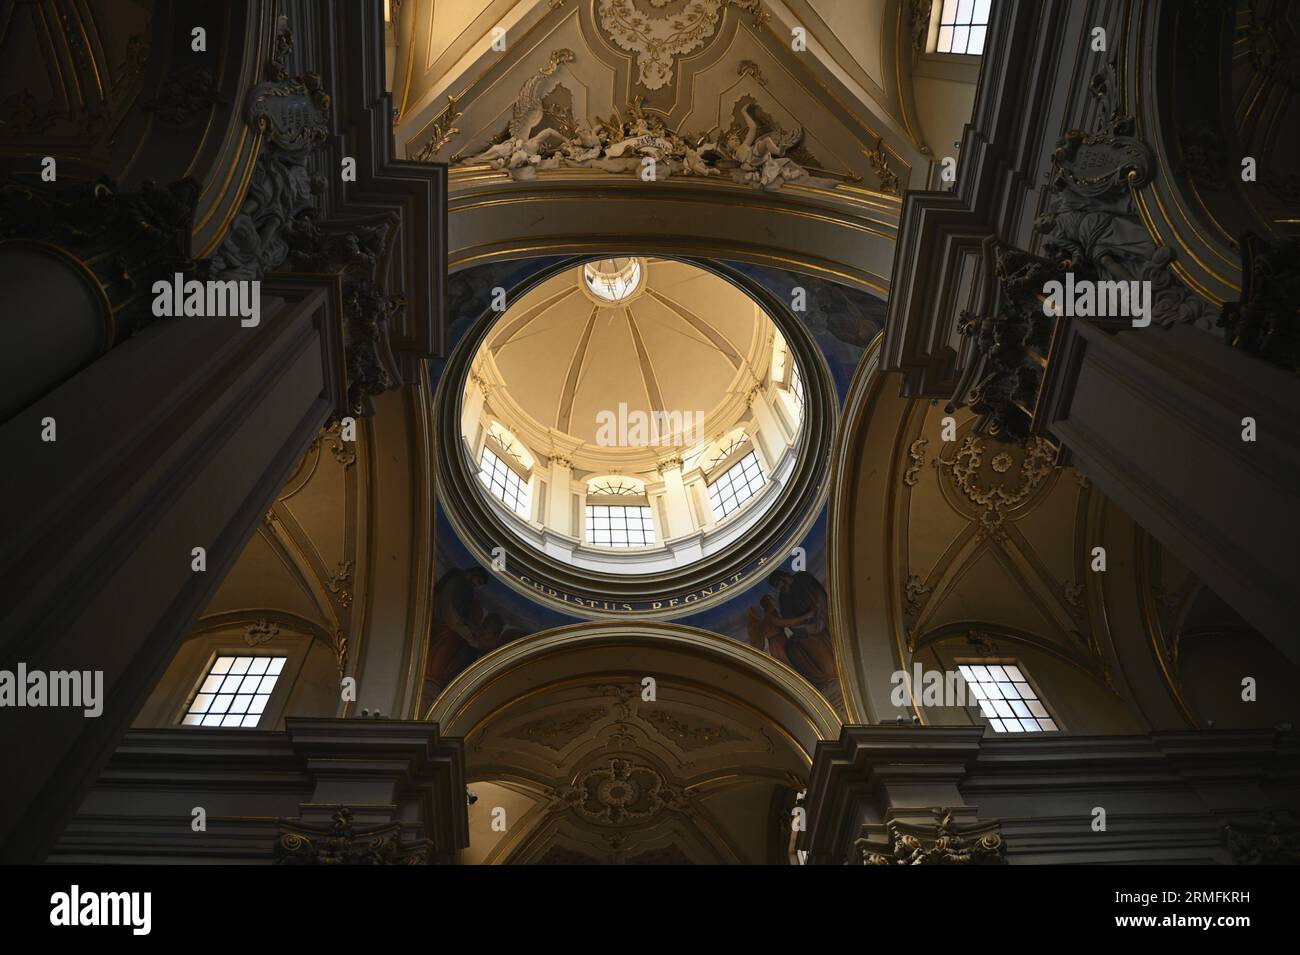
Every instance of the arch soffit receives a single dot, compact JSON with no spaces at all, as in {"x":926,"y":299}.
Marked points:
{"x":610,"y":650}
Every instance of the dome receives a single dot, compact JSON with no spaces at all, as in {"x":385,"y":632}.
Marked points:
{"x":632,"y":416}
{"x":565,"y":363}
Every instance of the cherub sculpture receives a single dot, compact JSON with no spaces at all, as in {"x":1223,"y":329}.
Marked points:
{"x":522,"y":150}
{"x":763,"y":159}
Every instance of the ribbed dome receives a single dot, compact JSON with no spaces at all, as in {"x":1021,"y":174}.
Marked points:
{"x":682,"y":342}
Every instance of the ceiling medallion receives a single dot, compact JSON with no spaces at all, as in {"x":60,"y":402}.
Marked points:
{"x":1010,"y":484}
{"x":620,"y":793}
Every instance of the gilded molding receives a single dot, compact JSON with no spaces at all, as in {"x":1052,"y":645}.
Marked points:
{"x":443,"y":132}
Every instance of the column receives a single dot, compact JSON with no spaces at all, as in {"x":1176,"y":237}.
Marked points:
{"x":773,"y":432}
{"x":178,"y":438}
{"x":558,"y":512}
{"x":676,"y":503}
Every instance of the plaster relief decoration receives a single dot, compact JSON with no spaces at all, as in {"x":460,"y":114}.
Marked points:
{"x":443,"y":131}
{"x":72,"y":73}
{"x":620,"y":793}
{"x":658,"y":40}
{"x":889,"y":181}
{"x":129,"y":238}
{"x":691,"y":735}
{"x":292,"y":114}
{"x":997,"y":482}
{"x":1092,"y":227}
{"x":259,"y":632}
{"x":754,"y":150}
{"x":1003,"y":352}
{"x":915,"y":461}
{"x":1266,"y":319}
{"x":914,"y":591}
{"x":292,"y":111}
{"x":557,"y":732}
{"x":185,"y":95}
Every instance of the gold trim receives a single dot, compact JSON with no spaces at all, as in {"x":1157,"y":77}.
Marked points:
{"x":1146,"y":79}
{"x":901,"y":49}
{"x":267,"y":18}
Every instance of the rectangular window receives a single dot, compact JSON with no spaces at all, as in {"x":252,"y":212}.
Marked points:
{"x":962,"y":25}
{"x":235,"y":692}
{"x":1006,"y":699}
{"x":620,"y":525}
{"x":737,"y":485}
{"x":509,"y":488}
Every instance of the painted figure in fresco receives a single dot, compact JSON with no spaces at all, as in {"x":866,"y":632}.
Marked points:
{"x":796,"y":626}
{"x":457,"y":620}
{"x":462,"y":632}
{"x":493,"y":632}
{"x":765,"y":630}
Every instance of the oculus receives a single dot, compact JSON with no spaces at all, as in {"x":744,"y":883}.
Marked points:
{"x":614,"y":281}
